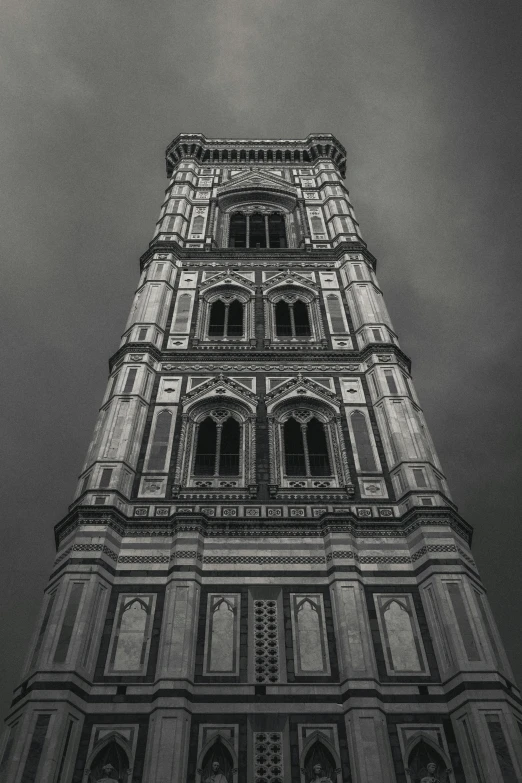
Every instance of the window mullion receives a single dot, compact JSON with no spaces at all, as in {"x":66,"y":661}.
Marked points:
{"x":225,"y":321}
{"x":267,"y":234}
{"x":219,"y":430}
{"x":292,"y":319}
{"x":247,"y":230}
{"x":304,"y":429}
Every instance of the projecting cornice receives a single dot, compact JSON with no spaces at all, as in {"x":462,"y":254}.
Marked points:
{"x":344,"y":361}
{"x":280,"y":152}
{"x":200,"y":524}
{"x":282,"y":256}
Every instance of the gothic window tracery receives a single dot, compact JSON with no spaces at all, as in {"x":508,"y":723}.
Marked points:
{"x":226,"y":318}
{"x":307,"y":447}
{"x":226,"y":313}
{"x":292,"y":313}
{"x":217,"y":446}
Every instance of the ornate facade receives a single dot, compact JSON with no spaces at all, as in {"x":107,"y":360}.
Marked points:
{"x":262,"y":577}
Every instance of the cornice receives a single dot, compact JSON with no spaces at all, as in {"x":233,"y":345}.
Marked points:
{"x":198,"y":523}
{"x":309,"y":257}
{"x":252,"y":356}
{"x":310,"y":149}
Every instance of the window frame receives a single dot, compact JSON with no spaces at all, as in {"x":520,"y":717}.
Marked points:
{"x":227,"y":293}
{"x":185,"y":479}
{"x":337,"y":456}
{"x":290,"y":294}
{"x":248,"y":212}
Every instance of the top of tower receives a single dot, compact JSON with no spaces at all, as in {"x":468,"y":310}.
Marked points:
{"x":256,"y":151}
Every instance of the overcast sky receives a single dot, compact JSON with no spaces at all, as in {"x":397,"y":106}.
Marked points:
{"x":426,"y":98}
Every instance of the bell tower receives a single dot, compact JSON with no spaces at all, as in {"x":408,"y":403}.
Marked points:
{"x":262,"y":577}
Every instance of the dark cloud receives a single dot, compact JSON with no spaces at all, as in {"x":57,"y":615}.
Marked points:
{"x":424,"y":96}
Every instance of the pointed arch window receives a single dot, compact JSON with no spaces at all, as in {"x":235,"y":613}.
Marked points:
{"x":218,"y":444}
{"x":257,"y":230}
{"x":292,"y":319}
{"x":305,"y":446}
{"x":226,"y":319}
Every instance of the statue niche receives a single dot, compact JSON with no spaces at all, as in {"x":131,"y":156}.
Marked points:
{"x":425,"y":765}
{"x":110,"y":765}
{"x":217,"y":764}
{"x":319,"y":766}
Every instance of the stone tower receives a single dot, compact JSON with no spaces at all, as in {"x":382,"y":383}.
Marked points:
{"x":262,"y":577}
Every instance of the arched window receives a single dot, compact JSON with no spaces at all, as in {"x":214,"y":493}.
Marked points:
{"x":218,"y":445}
{"x":257,"y":230}
{"x":292,"y":319}
{"x":363,"y":443}
{"x":226,"y":319}
{"x":305,"y":446}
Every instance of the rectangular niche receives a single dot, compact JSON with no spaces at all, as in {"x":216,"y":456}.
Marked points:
{"x":309,"y":634}
{"x":400,"y":634}
{"x":222,"y":634}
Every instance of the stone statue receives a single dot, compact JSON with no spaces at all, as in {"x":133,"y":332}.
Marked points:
{"x":215,"y":776}
{"x":108,"y":776}
{"x":431,"y":769}
{"x":319,"y":775}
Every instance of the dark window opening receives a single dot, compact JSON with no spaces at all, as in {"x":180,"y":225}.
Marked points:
{"x":306,"y":448}
{"x":257,"y":230}
{"x":317,"y":448}
{"x":206,"y":448}
{"x":217,"y":448}
{"x":276,"y":230}
{"x":229,"y":451}
{"x":294,"y":449}
{"x":235,"y":319}
{"x":301,"y":320}
{"x":283,"y":322}
{"x":216,"y":326}
{"x":238,"y":230}
{"x":292,"y":319}
{"x":226,"y":320}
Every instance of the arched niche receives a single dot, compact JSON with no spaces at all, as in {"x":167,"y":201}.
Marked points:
{"x":422,"y":752}
{"x":219,"y":750}
{"x":112,"y":750}
{"x":319,"y":750}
